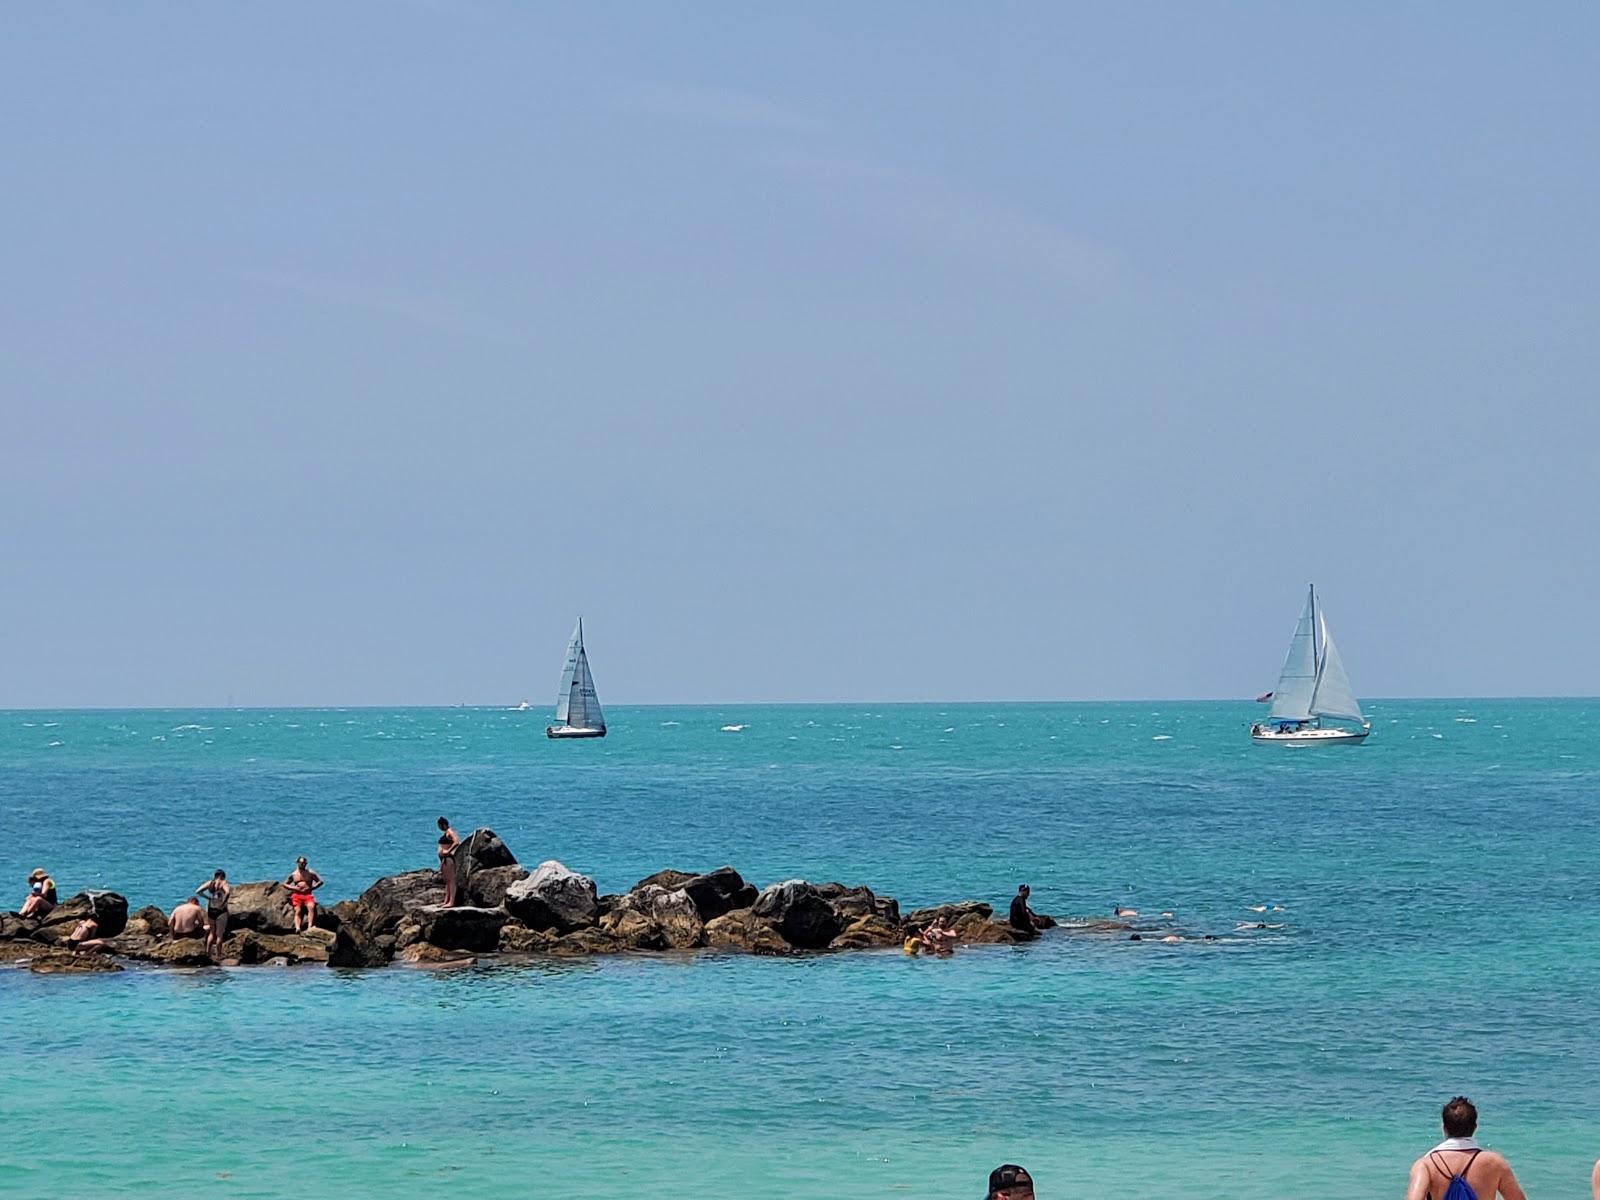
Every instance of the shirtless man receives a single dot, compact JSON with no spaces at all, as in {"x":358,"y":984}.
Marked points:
{"x":302,"y":884}
{"x":188,"y":920}
{"x":1594,"y":1181}
{"x":1485,"y":1173}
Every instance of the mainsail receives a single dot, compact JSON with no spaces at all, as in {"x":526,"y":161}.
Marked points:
{"x":577,"y":705}
{"x":1291,"y":699}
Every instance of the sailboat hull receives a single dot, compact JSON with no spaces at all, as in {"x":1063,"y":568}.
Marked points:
{"x":1309,"y":737}
{"x":568,"y":731}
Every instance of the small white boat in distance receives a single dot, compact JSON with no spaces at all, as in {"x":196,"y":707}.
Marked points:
{"x":1313,"y":689}
{"x":578,"y":712}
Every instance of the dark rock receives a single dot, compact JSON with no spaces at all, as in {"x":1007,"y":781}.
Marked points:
{"x":108,"y":909}
{"x":482,"y":850}
{"x":487,"y":888}
{"x":670,"y":880}
{"x":353,"y":946}
{"x":717,"y":892}
{"x":251,"y":948}
{"x":384,"y":905}
{"x":66,"y":962}
{"x":948,"y":913}
{"x":867,"y":932}
{"x":13,"y":926}
{"x":460,"y":928}
{"x":853,"y":903}
{"x":798,"y":912}
{"x":553,"y":897}
{"x":739,"y":930}
{"x":976,"y":930}
{"x":519,"y":939}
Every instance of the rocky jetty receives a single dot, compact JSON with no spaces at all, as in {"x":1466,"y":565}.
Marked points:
{"x":505,"y":909}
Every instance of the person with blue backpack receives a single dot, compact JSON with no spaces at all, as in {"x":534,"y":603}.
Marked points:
{"x":1460,"y":1169}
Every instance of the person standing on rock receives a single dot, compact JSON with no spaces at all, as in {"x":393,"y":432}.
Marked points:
{"x":448,"y":841}
{"x":303,"y":883}
{"x":216,"y":890}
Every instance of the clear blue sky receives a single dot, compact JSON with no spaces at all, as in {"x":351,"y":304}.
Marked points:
{"x":892,"y":351}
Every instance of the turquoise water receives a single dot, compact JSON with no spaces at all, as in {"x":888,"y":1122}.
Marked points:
{"x":1438,"y":887}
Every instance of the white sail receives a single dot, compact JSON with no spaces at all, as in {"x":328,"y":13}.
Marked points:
{"x":577,"y":705}
{"x":1291,"y":699}
{"x":1333,"y":696}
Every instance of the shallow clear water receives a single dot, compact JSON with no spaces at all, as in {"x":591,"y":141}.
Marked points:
{"x":1438,"y":888}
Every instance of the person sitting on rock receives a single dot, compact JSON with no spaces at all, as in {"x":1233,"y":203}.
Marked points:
{"x":302,"y":884}
{"x":939,"y":937}
{"x":1023,"y":919}
{"x":188,"y":920}
{"x":41,"y":895}
{"x":449,"y":839}
{"x":85,"y":935}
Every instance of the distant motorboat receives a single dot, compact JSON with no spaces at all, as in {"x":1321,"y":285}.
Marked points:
{"x":578,"y":712}
{"x":523,"y":707}
{"x":1312,"y":689}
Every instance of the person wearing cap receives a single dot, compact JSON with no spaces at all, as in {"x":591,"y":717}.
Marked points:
{"x":1010,"y":1182}
{"x":41,"y":895}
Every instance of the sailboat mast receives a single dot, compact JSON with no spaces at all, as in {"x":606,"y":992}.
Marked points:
{"x":1316,"y":654}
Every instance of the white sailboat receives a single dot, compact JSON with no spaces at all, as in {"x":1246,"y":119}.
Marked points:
{"x":578,"y":712}
{"x":1312,"y":689}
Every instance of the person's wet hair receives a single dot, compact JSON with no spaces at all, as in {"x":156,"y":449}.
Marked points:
{"x":301,"y":861}
{"x":444,"y":822}
{"x":1460,"y":1118}
{"x":219,"y":873}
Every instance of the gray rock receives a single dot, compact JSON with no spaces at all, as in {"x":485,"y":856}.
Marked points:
{"x":853,"y":903}
{"x":487,"y":888}
{"x":262,"y":906}
{"x":553,"y":897}
{"x":384,"y":905}
{"x":798,"y":912}
{"x":482,"y":850}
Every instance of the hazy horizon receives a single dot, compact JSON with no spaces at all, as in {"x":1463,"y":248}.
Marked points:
{"x":349,"y":353}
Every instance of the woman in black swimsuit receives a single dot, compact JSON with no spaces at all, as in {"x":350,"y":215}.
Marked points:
{"x":448,"y":841}
{"x":216,"y":890}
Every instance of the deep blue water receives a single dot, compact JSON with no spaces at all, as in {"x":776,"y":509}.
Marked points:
{"x":1438,"y":888}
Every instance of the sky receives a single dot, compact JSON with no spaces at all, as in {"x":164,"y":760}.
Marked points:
{"x":904,"y":351}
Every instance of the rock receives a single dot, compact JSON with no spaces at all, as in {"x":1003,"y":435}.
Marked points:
{"x":867,"y":932}
{"x":718,"y":892}
{"x":487,"y":888}
{"x":21,"y":950}
{"x":382,"y":906}
{"x":250,"y":947}
{"x":519,"y":939}
{"x":634,"y":928}
{"x":150,"y":921}
{"x":798,"y":912}
{"x":262,"y":906}
{"x":169,"y":952}
{"x":482,"y":850}
{"x":107,"y":908}
{"x":13,"y":926}
{"x":853,"y":903}
{"x":584,"y":942}
{"x":669,"y":879}
{"x":553,"y":897}
{"x":653,"y":918}
{"x":424,"y":955}
{"x":738,"y":930}
{"x":975,"y":930}
{"x":948,"y":913}
{"x":460,"y":928}
{"x":353,"y":946}
{"x":66,"y":962}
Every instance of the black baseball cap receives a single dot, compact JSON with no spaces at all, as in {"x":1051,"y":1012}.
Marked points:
{"x":1004,"y":1178}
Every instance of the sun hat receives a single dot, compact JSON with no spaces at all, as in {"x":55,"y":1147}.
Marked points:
{"x":38,"y":873}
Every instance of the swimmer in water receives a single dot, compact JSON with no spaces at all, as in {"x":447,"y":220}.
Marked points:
{"x":1118,"y":911}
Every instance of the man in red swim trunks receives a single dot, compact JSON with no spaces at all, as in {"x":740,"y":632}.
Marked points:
{"x":302,"y":884}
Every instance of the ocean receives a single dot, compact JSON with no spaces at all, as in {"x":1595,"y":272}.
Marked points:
{"x":1436,"y":889}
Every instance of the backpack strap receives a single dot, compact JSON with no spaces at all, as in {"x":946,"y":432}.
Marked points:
{"x":1436,"y":1157}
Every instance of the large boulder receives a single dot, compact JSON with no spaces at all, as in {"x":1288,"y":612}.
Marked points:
{"x":251,"y":947}
{"x":262,"y":906}
{"x":553,"y":897}
{"x":382,"y":907}
{"x":738,"y":930}
{"x":13,"y":926}
{"x":148,"y":921}
{"x":482,"y":850}
{"x":519,"y":939}
{"x":460,"y":928}
{"x":798,"y":912}
{"x":867,"y":933}
{"x":669,"y":879}
{"x":487,"y":888}
{"x":168,"y":952}
{"x":948,"y":913}
{"x":653,"y":918}
{"x":853,"y":903}
{"x":353,"y":946}
{"x":109,"y":910}
{"x":717,"y":892}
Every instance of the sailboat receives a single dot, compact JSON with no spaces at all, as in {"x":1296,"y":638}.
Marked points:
{"x":1313,"y":703}
{"x":578,"y":712}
